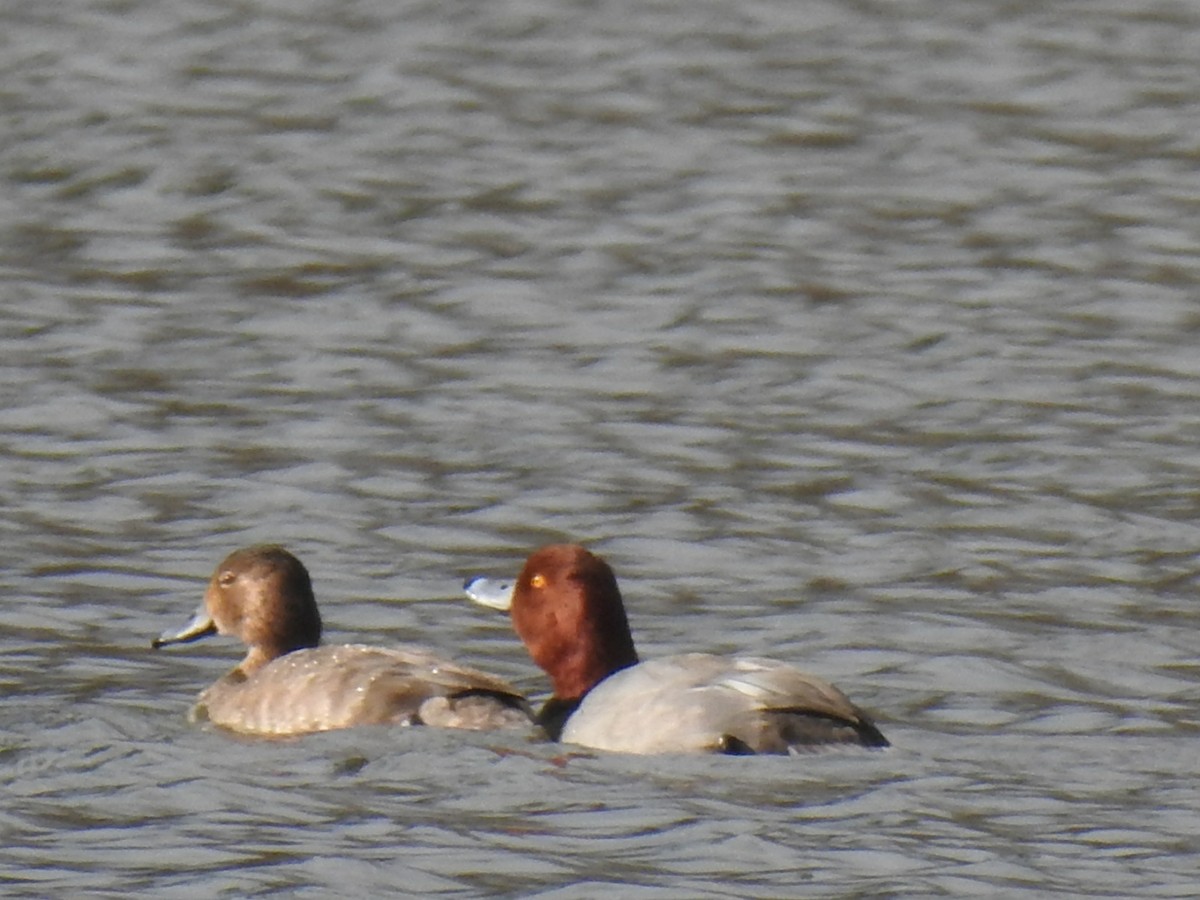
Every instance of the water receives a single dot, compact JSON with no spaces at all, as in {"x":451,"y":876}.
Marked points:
{"x":862,"y":336}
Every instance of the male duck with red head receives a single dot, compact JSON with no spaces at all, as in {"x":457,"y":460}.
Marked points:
{"x":567,"y":609}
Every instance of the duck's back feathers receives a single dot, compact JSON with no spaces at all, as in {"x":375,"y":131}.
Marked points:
{"x":323,"y":688}
{"x":704,"y":702}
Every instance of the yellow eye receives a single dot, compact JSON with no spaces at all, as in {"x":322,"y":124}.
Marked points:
{"x":537,"y":582}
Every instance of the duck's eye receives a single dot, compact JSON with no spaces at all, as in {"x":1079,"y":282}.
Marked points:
{"x":537,"y":582}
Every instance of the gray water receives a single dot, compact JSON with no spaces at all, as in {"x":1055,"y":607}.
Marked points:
{"x":862,"y":335}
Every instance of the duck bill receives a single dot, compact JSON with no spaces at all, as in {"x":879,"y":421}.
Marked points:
{"x":201,"y":626}
{"x":490,"y":592}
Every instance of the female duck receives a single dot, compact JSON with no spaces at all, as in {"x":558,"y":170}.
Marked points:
{"x":288,"y":685}
{"x":567,"y":609}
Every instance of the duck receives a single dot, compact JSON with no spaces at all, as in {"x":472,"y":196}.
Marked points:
{"x":567,"y":609}
{"x":290,"y":684}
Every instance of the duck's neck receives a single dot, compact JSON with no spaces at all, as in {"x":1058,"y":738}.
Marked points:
{"x":578,"y":669}
{"x":261,"y":654}
{"x":571,"y":689}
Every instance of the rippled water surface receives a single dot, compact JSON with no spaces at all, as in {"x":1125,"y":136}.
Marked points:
{"x":861,"y":335}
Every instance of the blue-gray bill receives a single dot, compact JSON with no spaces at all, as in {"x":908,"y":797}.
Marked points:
{"x":489,"y":592}
{"x":200,"y":626}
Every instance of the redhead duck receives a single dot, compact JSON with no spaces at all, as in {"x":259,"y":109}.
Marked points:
{"x":567,"y":609}
{"x":288,"y":685}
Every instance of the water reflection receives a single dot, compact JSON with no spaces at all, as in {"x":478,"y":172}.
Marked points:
{"x":863,"y":339}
